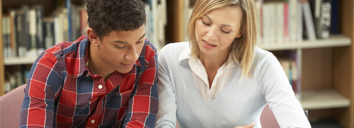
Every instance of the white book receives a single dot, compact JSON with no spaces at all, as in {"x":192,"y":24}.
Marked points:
{"x":269,"y":30}
{"x":65,"y":23}
{"x":13,"y":33}
{"x":310,"y":29}
{"x":293,"y":16}
{"x":148,"y":23}
{"x":279,"y":22}
{"x":299,"y":22}
{"x":265,"y":21}
{"x":33,"y":33}
{"x":258,"y":4}
{"x":56,"y":29}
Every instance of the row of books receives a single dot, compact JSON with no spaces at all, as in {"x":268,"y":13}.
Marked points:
{"x":289,"y":21}
{"x":156,"y":17}
{"x":15,"y":77}
{"x":27,"y":33}
{"x":295,"y":20}
{"x":288,"y":59}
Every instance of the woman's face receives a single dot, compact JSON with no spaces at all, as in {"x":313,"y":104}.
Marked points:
{"x":216,"y":30}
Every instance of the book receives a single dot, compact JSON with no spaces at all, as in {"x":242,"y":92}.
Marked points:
{"x":309,"y":31}
{"x":335,"y":17}
{"x":39,"y":28}
{"x":13,"y":33}
{"x":299,"y":21}
{"x":293,"y":20}
{"x":33,"y":33}
{"x":325,"y":20}
{"x":4,"y":35}
{"x":321,"y":12}
{"x":48,"y":28}
{"x":279,"y":22}
{"x":259,"y":20}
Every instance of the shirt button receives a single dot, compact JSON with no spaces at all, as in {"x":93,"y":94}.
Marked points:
{"x":92,"y":121}
{"x":88,"y":75}
{"x":100,"y":86}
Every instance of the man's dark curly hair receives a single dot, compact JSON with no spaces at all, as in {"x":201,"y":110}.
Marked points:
{"x":105,"y":16}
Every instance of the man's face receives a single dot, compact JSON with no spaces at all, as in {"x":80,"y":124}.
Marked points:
{"x":121,"y":49}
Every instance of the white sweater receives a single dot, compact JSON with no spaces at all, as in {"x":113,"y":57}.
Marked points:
{"x":239,"y":103}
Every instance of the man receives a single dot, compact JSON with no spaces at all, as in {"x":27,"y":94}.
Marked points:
{"x":106,"y":78}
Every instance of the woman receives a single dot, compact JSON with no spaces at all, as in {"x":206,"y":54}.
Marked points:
{"x":220,"y":79}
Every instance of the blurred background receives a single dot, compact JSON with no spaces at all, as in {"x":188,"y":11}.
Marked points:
{"x":311,"y":39}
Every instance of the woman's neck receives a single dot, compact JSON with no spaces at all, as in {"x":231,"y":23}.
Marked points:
{"x":213,"y":61}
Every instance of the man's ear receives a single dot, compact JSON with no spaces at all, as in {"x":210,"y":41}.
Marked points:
{"x":92,"y":36}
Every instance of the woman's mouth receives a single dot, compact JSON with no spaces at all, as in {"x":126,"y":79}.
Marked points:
{"x":208,"y":45}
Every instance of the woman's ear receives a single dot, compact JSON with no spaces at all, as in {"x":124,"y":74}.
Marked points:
{"x":92,"y":36}
{"x":239,"y":34}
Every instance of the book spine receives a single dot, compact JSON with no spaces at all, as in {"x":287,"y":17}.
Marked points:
{"x":310,"y":30}
{"x":325,"y":20}
{"x":33,"y":32}
{"x":40,"y":37}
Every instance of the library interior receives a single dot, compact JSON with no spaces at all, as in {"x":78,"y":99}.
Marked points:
{"x":310,"y":38}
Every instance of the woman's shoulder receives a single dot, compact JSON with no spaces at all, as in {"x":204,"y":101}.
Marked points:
{"x":174,"y":48}
{"x":261,"y":55}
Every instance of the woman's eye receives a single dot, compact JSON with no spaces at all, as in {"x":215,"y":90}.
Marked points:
{"x":205,"y":23}
{"x":227,"y":32}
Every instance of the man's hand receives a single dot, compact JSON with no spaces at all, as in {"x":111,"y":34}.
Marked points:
{"x":246,"y":126}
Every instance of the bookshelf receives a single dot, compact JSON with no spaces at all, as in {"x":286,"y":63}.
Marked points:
{"x":323,"y":99}
{"x":2,"y":75}
{"x":19,"y":61}
{"x":332,"y":41}
{"x":327,"y":65}
{"x":56,"y":16}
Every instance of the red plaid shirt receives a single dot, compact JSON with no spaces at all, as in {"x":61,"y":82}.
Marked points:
{"x":62,"y":92}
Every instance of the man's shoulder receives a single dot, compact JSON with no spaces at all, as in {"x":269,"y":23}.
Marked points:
{"x":149,"y":50}
{"x":67,"y":47}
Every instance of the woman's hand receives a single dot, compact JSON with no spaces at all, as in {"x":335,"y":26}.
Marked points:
{"x":246,"y":126}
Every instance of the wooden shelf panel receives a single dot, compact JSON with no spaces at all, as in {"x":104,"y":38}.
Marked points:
{"x":19,"y":61}
{"x":332,"y":41}
{"x":322,"y":99}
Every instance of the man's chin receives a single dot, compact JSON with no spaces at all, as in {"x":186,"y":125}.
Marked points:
{"x":124,"y":70}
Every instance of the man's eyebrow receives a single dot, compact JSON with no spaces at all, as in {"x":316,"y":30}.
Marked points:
{"x":142,"y":36}
{"x":122,"y":42}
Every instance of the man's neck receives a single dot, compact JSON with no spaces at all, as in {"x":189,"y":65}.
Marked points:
{"x":97,"y":65}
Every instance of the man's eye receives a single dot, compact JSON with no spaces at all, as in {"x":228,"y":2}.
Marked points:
{"x":120,"y":47}
{"x":140,"y":42}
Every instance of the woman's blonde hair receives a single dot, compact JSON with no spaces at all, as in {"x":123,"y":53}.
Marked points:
{"x":242,"y":48}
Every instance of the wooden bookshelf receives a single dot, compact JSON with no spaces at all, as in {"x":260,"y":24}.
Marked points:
{"x":2,"y":72}
{"x":323,"y":99}
{"x":19,"y":61}
{"x":332,"y":41}
{"x":343,"y":65}
{"x":327,"y":79}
